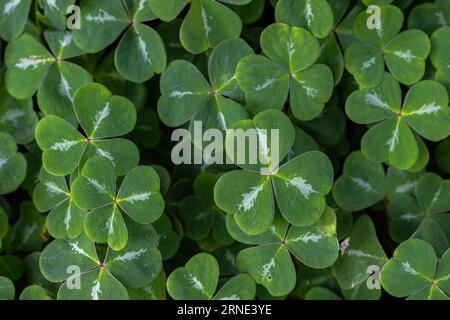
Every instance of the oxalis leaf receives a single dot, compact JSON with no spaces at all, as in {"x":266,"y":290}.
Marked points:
{"x":31,"y":67}
{"x":288,"y":67}
{"x":425,"y":110}
{"x":198,"y":280}
{"x":414,"y":272}
{"x":270,"y":262}
{"x":13,"y":165}
{"x":101,"y":115}
{"x":138,"y":196}
{"x":403,"y":53}
{"x":76,"y":262}
{"x":140,"y":53}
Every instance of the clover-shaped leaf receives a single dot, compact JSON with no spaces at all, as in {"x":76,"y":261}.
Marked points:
{"x":101,"y":115}
{"x":13,"y":166}
{"x":186,"y":94}
{"x":424,"y":216}
{"x":207,"y":22}
{"x":31,"y":67}
{"x":362,"y":251}
{"x":251,"y":200}
{"x":138,"y":196}
{"x":198,"y":280}
{"x":425,"y":109}
{"x":140,"y":53}
{"x":7,"y":289}
{"x":17,"y":117}
{"x":65,"y":218}
{"x":403,"y":53}
{"x":29,"y":229}
{"x":361,"y":185}
{"x":270,"y":262}
{"x":137,"y":265}
{"x":414,"y":272}
{"x":315,"y":15}
{"x":288,"y":67}
{"x":13,"y":17}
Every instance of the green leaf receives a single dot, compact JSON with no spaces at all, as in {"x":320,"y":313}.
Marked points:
{"x":56,"y":11}
{"x":17,"y":117}
{"x":140,"y":54}
{"x":269,"y":265}
{"x":300,"y":186}
{"x":240,"y":287}
{"x":317,"y":16}
{"x":34,"y":293}
{"x":7,"y":290}
{"x":167,"y":10}
{"x":28,"y":62}
{"x":29,"y":229}
{"x":102,"y":22}
{"x":13,"y":18}
{"x":13,"y":166}
{"x":362,"y":253}
{"x":316,"y":245}
{"x":361,"y":185}
{"x":206,"y":24}
{"x":197,"y":280}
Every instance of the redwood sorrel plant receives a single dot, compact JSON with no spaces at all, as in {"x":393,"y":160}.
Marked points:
{"x":109,"y":191}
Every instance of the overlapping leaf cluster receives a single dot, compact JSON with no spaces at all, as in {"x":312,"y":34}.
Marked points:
{"x":92,"y":206}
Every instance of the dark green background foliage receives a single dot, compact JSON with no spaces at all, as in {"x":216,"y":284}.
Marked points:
{"x":92,"y":206}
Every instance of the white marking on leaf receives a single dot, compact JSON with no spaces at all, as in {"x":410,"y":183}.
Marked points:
{"x":28,"y":232}
{"x":141,"y":6}
{"x":135,"y":197}
{"x":32,"y":62}
{"x":10,"y":6}
{"x":310,"y":92}
{"x":63,"y":146}
{"x":405,"y":55}
{"x":131,"y":255}
{"x":408,"y":269}
{"x":290,"y":48}
{"x":77,"y":249}
{"x":222,"y":121}
{"x":431,"y":108}
{"x":267,"y":83}
{"x":368,"y":63}
{"x":205,"y":18}
{"x":266,"y":273}
{"x":357,"y":253}
{"x":105,"y":154}
{"x":365,"y":185}
{"x":195,"y":282}
{"x":53,"y":188}
{"x":3,"y":161}
{"x":406,"y":187}
{"x":180,"y":94}
{"x":68,"y":217}
{"x":249,"y":198}
{"x":109,"y":225}
{"x":436,"y":195}
{"x":441,"y":18}
{"x":408,"y":217}
{"x":66,"y":40}
{"x":394,"y":140}
{"x":52,"y":5}
{"x":96,"y":290}
{"x":309,"y":236}
{"x":263,"y":147}
{"x":233,"y":297}
{"x":101,"y":18}
{"x":99,"y":187}
{"x":302,"y":185}
{"x":230,"y":257}
{"x":101,"y":115}
{"x":308,"y":13}
{"x":12,"y":116}
{"x":375,"y":100}
{"x":64,"y":88}
{"x":143,"y":51}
